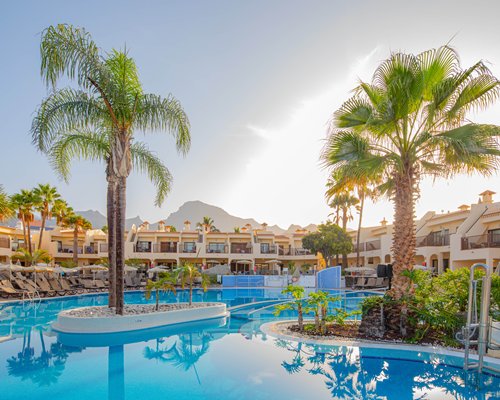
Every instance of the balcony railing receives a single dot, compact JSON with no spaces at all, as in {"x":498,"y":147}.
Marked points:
{"x":69,"y":250}
{"x":142,"y":249}
{"x":282,"y":251}
{"x":165,"y":248}
{"x":481,"y":241}
{"x":272,"y":249}
{"x":218,"y":249}
{"x":244,"y":248}
{"x":90,"y":250}
{"x":4,"y":242}
{"x":433,"y":240}
{"x":187,"y":249}
{"x":367,"y":246}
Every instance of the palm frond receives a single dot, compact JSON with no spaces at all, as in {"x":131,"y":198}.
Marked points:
{"x":70,"y":51}
{"x":155,"y":113}
{"x":63,"y":111}
{"x":82,"y":145}
{"x":146,"y":162}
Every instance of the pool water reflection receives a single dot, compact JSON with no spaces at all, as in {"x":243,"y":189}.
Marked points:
{"x":217,"y":359}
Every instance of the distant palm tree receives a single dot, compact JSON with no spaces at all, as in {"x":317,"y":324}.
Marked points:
{"x":46,"y":198}
{"x":342,"y":202}
{"x":6,"y":210}
{"x":78,"y":224}
{"x":98,"y":120}
{"x":24,"y":202}
{"x":60,"y":210}
{"x":410,"y":122}
{"x":206,"y":225}
{"x":343,"y":180}
{"x":32,"y":258}
{"x":188,"y":274}
{"x":165,"y":284}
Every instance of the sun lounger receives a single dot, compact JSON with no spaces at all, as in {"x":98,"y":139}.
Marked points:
{"x":6,"y":290}
{"x":44,"y":287}
{"x":66,"y":286}
{"x":360,"y":282}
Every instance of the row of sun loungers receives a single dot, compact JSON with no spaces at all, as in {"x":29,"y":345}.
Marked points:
{"x":368,"y":283}
{"x":19,"y":286}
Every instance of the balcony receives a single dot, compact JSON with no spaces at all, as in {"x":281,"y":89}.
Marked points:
{"x":433,"y":240}
{"x":241,"y":248}
{"x":268,"y":249}
{"x":187,"y":249}
{"x":166,"y":247}
{"x":103,"y":247}
{"x":367,"y":246}
{"x":216,"y":248}
{"x":486,"y":241}
{"x":90,"y":250}
{"x":69,"y":250}
{"x":293,"y":251}
{"x":143,"y":248}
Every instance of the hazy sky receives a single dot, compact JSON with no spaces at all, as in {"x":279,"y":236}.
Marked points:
{"x":259,"y":81}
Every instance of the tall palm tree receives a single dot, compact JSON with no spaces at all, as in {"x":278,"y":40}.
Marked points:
{"x":78,"y":224}
{"x":411,"y":122}
{"x":6,"y":209}
{"x":206,"y":225}
{"x":46,"y":198}
{"x":98,"y":120}
{"x":24,"y":202}
{"x":342,"y":202}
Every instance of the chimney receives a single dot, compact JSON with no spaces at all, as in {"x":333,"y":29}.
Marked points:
{"x":464,"y":207}
{"x":187,"y":225}
{"x":144,"y":226}
{"x":383,"y":222}
{"x":161,"y":225}
{"x":486,"y":197}
{"x":264,"y":226}
{"x":244,"y":229}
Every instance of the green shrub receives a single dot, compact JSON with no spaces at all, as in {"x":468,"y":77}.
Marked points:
{"x":371,"y":302}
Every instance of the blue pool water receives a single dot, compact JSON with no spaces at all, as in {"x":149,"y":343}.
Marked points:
{"x":218,"y":359}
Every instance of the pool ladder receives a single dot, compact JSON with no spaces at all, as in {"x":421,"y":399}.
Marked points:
{"x":479,"y":332}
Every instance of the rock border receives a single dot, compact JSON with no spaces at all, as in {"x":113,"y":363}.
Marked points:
{"x":88,"y":320}
{"x":278,"y":330}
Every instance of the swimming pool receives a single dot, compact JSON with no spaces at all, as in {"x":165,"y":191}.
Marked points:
{"x":217,"y":359}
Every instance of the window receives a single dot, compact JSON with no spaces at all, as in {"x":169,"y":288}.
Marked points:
{"x":216,"y":247}
{"x":494,"y":237}
{"x":189,"y":247}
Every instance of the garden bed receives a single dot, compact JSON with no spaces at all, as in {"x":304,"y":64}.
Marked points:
{"x":91,"y":320}
{"x":350,"y":331}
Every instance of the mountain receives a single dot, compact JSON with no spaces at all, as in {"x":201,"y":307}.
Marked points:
{"x":98,"y":220}
{"x":194,"y":211}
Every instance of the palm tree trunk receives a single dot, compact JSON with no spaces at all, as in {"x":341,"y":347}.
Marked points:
{"x":75,"y":245}
{"x":300,"y":317}
{"x":344,"y":227}
{"x":24,"y":231}
{"x":111,"y":219}
{"x":30,"y":250}
{"x":44,"y":217}
{"x":404,"y":235}
{"x":191,"y":292}
{"x":120,"y":241}
{"x":358,"y":235}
